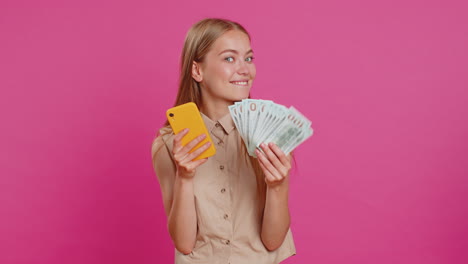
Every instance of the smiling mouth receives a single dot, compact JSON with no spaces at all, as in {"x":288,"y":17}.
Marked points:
{"x":241,"y":83}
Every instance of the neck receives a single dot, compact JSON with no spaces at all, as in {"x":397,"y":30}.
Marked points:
{"x":215,"y":110}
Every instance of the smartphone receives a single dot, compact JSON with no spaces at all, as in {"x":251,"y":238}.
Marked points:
{"x":188,"y":116}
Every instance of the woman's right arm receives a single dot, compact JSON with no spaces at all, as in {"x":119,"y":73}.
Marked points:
{"x":178,"y":195}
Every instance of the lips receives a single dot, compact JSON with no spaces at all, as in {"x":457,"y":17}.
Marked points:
{"x":241,"y":82}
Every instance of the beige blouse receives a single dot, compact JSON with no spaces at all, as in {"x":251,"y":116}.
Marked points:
{"x":225,"y":187}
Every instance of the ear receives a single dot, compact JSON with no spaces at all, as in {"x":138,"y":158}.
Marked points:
{"x":196,"y":72}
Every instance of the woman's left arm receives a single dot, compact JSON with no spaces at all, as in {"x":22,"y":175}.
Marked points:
{"x":275,"y":165}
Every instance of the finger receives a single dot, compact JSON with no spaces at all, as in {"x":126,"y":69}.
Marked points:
{"x":285,"y":160}
{"x":267,"y":164}
{"x":280,"y":154}
{"x":199,"y":162}
{"x":190,"y":166}
{"x":270,"y":155}
{"x":198,"y":151}
{"x":268,"y":176}
{"x":182,"y":152}
{"x":181,"y":134}
{"x":178,"y":139}
{"x":189,"y":147}
{"x":273,"y":160}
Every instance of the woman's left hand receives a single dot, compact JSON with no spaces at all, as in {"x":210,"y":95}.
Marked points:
{"x":274,"y":163}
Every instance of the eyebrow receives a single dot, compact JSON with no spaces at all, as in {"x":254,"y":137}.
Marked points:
{"x":234,"y":51}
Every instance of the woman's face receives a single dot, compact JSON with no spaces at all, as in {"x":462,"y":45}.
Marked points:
{"x":227,"y":71}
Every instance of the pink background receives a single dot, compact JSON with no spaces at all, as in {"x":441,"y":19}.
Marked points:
{"x":84,"y":87}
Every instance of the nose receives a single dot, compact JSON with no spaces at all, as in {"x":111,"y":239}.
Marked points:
{"x":243,"y":68}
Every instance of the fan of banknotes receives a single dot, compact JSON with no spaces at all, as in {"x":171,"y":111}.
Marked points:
{"x":263,"y":121}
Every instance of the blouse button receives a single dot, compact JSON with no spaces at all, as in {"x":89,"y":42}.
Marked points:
{"x":217,"y":125}
{"x":226,"y":216}
{"x":223,"y":190}
{"x":221,"y":167}
{"x":228,"y":242}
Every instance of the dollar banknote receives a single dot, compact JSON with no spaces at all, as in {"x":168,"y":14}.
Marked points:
{"x":263,"y":121}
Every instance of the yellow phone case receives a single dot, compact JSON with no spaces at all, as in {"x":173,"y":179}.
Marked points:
{"x":188,"y":116}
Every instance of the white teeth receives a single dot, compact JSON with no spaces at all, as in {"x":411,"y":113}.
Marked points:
{"x":240,"y":83}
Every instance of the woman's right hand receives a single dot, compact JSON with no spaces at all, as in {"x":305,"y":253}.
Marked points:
{"x":185,"y":163}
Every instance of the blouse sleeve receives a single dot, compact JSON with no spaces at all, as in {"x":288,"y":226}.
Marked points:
{"x":164,"y":167}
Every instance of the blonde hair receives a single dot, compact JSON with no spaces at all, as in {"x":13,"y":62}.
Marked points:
{"x":198,"y":42}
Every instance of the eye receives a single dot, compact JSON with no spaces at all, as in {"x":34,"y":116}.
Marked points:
{"x":229,"y":59}
{"x":249,"y":59}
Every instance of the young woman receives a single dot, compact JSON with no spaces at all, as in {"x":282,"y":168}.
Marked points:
{"x":229,"y":208}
